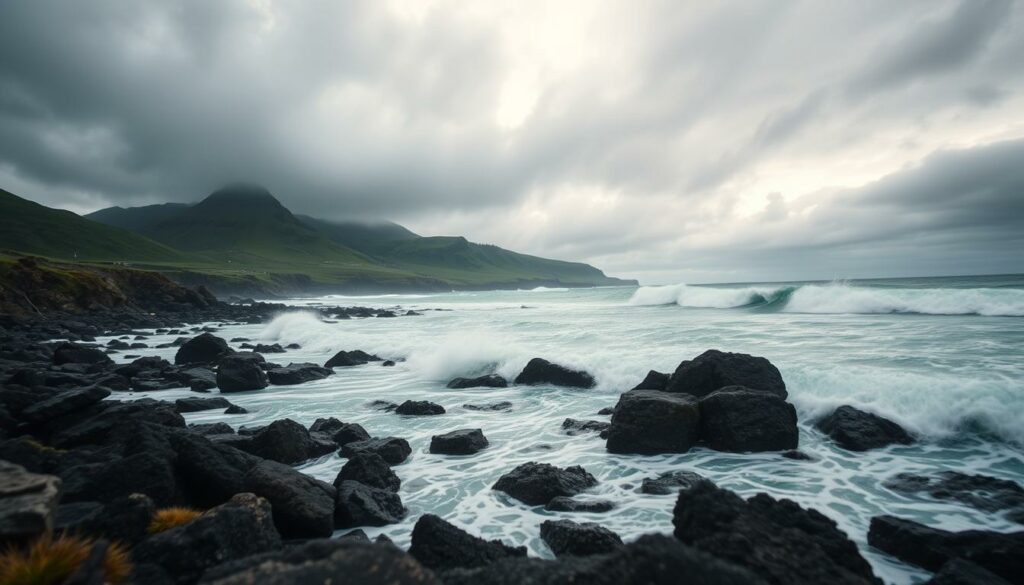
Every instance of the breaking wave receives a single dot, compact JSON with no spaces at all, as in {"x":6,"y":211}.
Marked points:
{"x":839,"y":298}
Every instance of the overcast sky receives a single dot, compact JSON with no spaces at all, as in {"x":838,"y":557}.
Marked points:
{"x":666,"y":141}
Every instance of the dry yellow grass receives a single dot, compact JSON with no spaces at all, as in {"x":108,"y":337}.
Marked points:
{"x":167,"y":518}
{"x":49,"y":561}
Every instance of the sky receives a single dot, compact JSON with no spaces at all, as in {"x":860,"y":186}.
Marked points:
{"x":665,"y":141}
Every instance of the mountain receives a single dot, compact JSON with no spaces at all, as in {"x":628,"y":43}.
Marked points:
{"x":26,"y":226}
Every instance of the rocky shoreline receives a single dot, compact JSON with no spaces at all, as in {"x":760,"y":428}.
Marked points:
{"x":142,"y":497}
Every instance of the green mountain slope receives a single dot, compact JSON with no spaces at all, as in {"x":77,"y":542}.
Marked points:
{"x":29,"y":227}
{"x":137,"y":219}
{"x":366,"y":237}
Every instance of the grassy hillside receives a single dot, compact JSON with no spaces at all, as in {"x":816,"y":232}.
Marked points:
{"x":136,"y":219}
{"x":367,"y":237}
{"x":29,"y":227}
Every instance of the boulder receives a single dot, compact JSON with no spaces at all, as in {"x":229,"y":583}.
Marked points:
{"x":777,"y":539}
{"x":210,"y":473}
{"x":146,"y":472}
{"x":742,"y":420}
{"x":566,"y":537}
{"x":369,"y":469}
{"x":574,"y":427}
{"x":197,"y":378}
{"x":202,"y":349}
{"x":394,"y":450}
{"x":234,"y":530}
{"x":567,"y":504}
{"x":856,"y":430}
{"x":931,"y":548}
{"x":419,"y":408}
{"x":961,"y":572}
{"x":272,"y":348}
{"x":535,"y":484}
{"x":297,"y":374}
{"x":460,"y":442}
{"x":540,"y":371}
{"x":73,"y":353}
{"x":488,"y":381}
{"x":670,"y":482}
{"x":983,"y":492}
{"x":286,"y":441}
{"x":350,"y":358}
{"x":358,"y":504}
{"x":239,"y":373}
{"x":28,"y":502}
{"x":208,"y":429}
{"x":349,"y":433}
{"x":64,"y":403}
{"x":125,"y":519}
{"x":715,"y":369}
{"x":200,"y":404}
{"x":653,"y":381}
{"x":441,"y":546}
{"x":303,"y":506}
{"x":651,"y":422}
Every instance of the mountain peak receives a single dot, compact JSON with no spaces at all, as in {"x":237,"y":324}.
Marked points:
{"x":247,"y":193}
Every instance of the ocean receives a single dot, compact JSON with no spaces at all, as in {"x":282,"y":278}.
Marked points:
{"x":944,"y":357}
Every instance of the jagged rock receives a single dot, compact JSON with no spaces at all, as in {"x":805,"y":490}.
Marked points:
{"x":651,"y":422}
{"x":931,"y":548}
{"x":28,"y":502}
{"x":985,"y":493}
{"x":715,"y":369}
{"x":856,"y":430}
{"x":574,"y":427}
{"x":670,"y":482}
{"x":777,"y":539}
{"x":237,"y":529}
{"x":123,"y":519}
{"x":340,"y":432}
{"x":488,"y":381}
{"x":567,"y":504}
{"x":541,"y":371}
{"x":535,"y":484}
{"x":210,"y":473}
{"x":297,"y":374}
{"x":73,"y":353}
{"x":394,"y":450}
{"x":460,"y":442}
{"x":303,"y":507}
{"x":653,"y":381}
{"x":566,"y":537}
{"x":441,"y":546}
{"x":202,"y":349}
{"x":742,"y":420}
{"x":358,"y":504}
{"x":235,"y":409}
{"x":147,"y":472}
{"x":200,"y":404}
{"x":198,"y":378}
{"x":961,"y":572}
{"x":369,"y":469}
{"x":239,"y":373}
{"x":272,"y":348}
{"x":350,"y":358}
{"x":64,"y":403}
{"x":494,"y":406}
{"x":286,"y":441}
{"x":419,"y":408}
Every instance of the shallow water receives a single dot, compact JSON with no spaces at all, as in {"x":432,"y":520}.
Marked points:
{"x":956,"y":380}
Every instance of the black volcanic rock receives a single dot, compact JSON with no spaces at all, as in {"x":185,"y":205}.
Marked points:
{"x":653,"y":381}
{"x":742,"y":420}
{"x":574,"y":427}
{"x":567,"y":504}
{"x":459,"y":442}
{"x":303,"y":506}
{"x":856,"y":430}
{"x":28,"y":503}
{"x":566,"y":537}
{"x":200,"y":404}
{"x":494,"y":406}
{"x":369,"y":469}
{"x":715,"y":369}
{"x":361,"y":505}
{"x":983,"y":492}
{"x":73,"y":353}
{"x":488,"y":381}
{"x":961,"y":572}
{"x":202,"y":349}
{"x":541,"y":371}
{"x":651,"y":422}
{"x":350,"y":358}
{"x":297,"y":374}
{"x":419,"y":408}
{"x":394,"y":450}
{"x":239,"y":373}
{"x":441,"y":546}
{"x":670,"y":482}
{"x":535,"y":484}
{"x":64,"y":403}
{"x":286,"y":441}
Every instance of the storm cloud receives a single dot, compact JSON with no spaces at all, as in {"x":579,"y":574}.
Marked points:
{"x":743,"y":140}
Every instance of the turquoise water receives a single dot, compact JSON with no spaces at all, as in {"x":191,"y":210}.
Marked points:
{"x":940,"y":356}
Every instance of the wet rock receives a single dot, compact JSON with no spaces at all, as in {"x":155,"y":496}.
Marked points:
{"x":73,"y":353}
{"x":210,"y":473}
{"x":742,"y":420}
{"x":124,"y":519}
{"x":235,"y":409}
{"x":419,"y":408}
{"x":234,"y":530}
{"x":198,"y":378}
{"x":566,"y":504}
{"x":441,"y":546}
{"x":394,"y":450}
{"x":303,"y":507}
{"x":715,"y":369}
{"x":286,"y":441}
{"x":200,"y":404}
{"x":796,"y":455}
{"x":494,"y":406}
{"x":350,"y":358}
{"x":651,"y":422}
{"x":358,"y":504}
{"x":931,"y":548}
{"x":488,"y":381}
{"x":566,"y":537}
{"x":856,"y":430}
{"x":459,"y":442}
{"x":202,"y":349}
{"x":341,"y":433}
{"x":218,"y":428}
{"x":239,"y":373}
{"x":607,"y":411}
{"x":653,"y":381}
{"x":777,"y":539}
{"x":670,"y":482}
{"x":541,"y":371}
{"x":983,"y":492}
{"x":297,"y":374}
{"x":264,"y":348}
{"x":961,"y":572}
{"x":574,"y":427}
{"x":64,"y":403}
{"x":28,"y":502}
{"x":535,"y":484}
{"x":369,"y":469}
{"x":383,"y":405}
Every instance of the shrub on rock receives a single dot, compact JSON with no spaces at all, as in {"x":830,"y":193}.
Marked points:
{"x":167,"y":518}
{"x":51,"y":561}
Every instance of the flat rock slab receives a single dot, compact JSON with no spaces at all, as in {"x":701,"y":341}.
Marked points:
{"x":28,"y":503}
